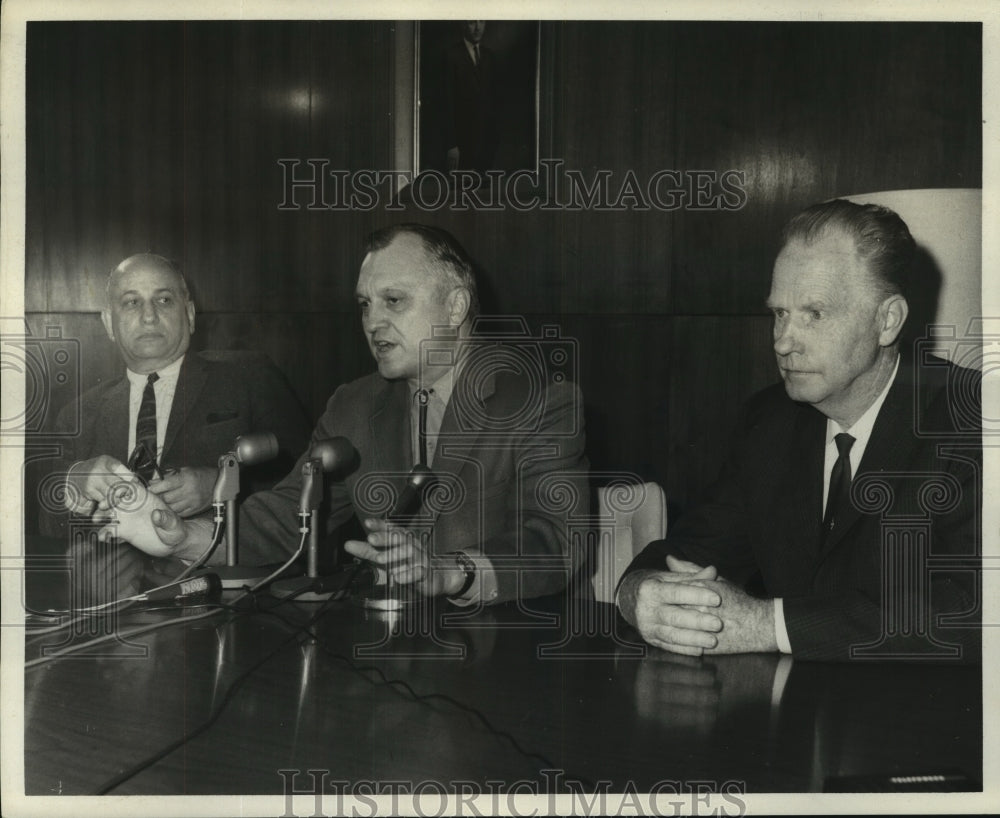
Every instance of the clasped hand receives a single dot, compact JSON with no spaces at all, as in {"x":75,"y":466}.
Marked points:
{"x":187,"y":490}
{"x":689,"y":610}
{"x":105,"y":488}
{"x":90,"y":485}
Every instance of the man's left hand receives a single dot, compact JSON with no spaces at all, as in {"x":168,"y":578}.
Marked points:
{"x":188,"y":490}
{"x":747,"y":622}
{"x":407,"y":560}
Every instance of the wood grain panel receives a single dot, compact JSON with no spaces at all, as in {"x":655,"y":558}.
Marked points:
{"x":166,"y":137}
{"x":103,"y":134}
{"x":810,"y":112}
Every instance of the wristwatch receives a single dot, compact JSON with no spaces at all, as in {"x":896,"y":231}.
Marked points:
{"x":465,"y":562}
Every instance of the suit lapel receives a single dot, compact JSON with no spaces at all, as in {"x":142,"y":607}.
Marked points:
{"x":457,"y":435}
{"x":800,"y":498}
{"x":888,"y":449}
{"x":389,"y":426}
{"x":190,"y":381}
{"x":114,"y":421}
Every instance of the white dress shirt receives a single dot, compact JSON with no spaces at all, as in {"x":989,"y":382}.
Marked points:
{"x":861,"y":431}
{"x":163,"y":389}
{"x":484,"y":587}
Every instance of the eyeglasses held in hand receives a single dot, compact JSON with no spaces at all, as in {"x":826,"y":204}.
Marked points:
{"x":142,"y":463}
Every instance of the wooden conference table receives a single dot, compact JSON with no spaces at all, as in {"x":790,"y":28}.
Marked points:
{"x":442,"y":695}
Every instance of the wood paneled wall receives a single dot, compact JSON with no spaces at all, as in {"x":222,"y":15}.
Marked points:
{"x":166,"y":137}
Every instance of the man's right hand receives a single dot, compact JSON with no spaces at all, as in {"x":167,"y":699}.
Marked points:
{"x":655,"y":603}
{"x":89,"y":482}
{"x":143,"y":520}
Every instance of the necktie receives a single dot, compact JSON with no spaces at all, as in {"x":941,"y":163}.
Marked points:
{"x":475,"y":50}
{"x":423,"y":397}
{"x":839,"y":498}
{"x":145,"y":430}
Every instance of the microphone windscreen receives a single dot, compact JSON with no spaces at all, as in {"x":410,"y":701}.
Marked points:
{"x":420,"y":476}
{"x":256,"y":447}
{"x":411,"y":497}
{"x":335,"y":452}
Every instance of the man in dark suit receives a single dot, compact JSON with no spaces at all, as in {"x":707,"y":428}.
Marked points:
{"x":506,"y":448}
{"x":173,"y":413}
{"x":850,"y":503}
{"x":471,"y":119}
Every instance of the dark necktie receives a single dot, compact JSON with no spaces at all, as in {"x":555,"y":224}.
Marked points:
{"x":423,"y":397}
{"x":839,"y":498}
{"x":145,"y":430}
{"x":475,"y":60}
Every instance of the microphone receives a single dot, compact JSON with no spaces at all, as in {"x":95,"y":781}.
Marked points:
{"x":248,"y":449}
{"x":411,"y":497}
{"x":324,"y":456}
{"x":256,"y":447}
{"x":200,"y":584}
{"x":335,"y":454}
{"x":387,"y":596}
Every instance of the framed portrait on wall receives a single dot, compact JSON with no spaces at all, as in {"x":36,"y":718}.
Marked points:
{"x":477,"y":95}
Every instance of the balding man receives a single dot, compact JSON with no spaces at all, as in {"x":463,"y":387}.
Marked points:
{"x":507,"y":449}
{"x":174,"y":412}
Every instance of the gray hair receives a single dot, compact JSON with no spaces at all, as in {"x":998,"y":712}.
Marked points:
{"x":442,"y":248}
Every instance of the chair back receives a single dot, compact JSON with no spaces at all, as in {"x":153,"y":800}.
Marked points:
{"x":631,"y":516}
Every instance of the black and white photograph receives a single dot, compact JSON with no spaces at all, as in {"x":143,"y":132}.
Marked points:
{"x":477,"y":104}
{"x":411,"y":415}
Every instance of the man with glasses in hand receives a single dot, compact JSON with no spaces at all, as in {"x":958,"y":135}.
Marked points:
{"x":168,"y":420}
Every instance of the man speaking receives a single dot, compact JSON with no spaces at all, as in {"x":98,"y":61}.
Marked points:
{"x":503,"y":436}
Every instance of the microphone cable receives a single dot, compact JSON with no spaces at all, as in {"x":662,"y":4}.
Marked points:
{"x":140,"y":629}
{"x":420,"y":698}
{"x":363,"y":671}
{"x":82,"y":614}
{"x":119,"y":779}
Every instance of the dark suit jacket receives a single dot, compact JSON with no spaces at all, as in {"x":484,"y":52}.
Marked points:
{"x":471,"y":119}
{"x":503,"y":492}
{"x":919,"y":482}
{"x":215,"y":402}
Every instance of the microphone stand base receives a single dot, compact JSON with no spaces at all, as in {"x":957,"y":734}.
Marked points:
{"x":320,"y":589}
{"x":383,"y":598}
{"x":303,"y":589}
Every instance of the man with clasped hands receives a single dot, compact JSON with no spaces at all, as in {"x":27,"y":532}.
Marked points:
{"x":836,"y":573}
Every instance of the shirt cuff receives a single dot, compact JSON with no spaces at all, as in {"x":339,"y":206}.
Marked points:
{"x":781,"y":672}
{"x":484,"y":589}
{"x":780,"y":631}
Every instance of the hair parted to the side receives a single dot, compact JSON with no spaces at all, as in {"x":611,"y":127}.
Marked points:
{"x":880,"y":236}
{"x":442,"y":248}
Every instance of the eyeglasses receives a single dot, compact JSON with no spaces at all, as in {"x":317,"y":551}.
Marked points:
{"x":142,"y":463}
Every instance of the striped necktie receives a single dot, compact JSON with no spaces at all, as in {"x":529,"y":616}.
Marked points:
{"x":145,"y":429}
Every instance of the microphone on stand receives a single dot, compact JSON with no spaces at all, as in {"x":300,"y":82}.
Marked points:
{"x":412,"y":496}
{"x":330,"y":455}
{"x":389,"y":596}
{"x":256,"y":447}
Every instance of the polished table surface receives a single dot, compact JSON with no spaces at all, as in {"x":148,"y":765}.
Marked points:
{"x":222,"y":704}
